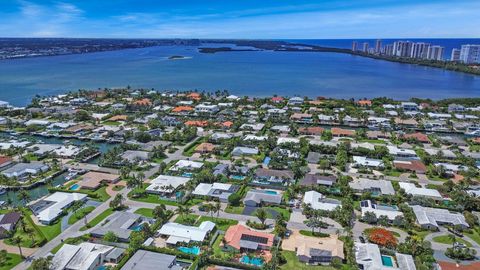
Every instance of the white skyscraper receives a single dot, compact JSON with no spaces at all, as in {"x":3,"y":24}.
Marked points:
{"x":470,"y":54}
{"x":455,"y":55}
{"x":435,"y":53}
{"x":402,"y":48}
{"x":354,"y":46}
{"x":419,"y":50}
{"x":378,"y":46}
{"x":365,"y":47}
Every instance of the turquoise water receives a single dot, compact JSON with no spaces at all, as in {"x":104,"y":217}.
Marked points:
{"x":101,"y":267}
{"x":74,"y":187}
{"x":260,"y":73}
{"x":190,"y":250}
{"x":387,"y":261}
{"x":254,"y":260}
{"x":187,"y":174}
{"x":271,"y":192}
{"x":237,"y":177}
{"x":136,"y":228}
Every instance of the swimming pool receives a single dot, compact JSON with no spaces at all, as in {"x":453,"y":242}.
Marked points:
{"x":237,"y":177}
{"x":254,"y":260}
{"x":271,"y":192}
{"x":190,"y":250}
{"x":137,"y":228}
{"x":74,"y":187}
{"x":187,"y":174}
{"x":101,"y":267}
{"x":387,"y":261}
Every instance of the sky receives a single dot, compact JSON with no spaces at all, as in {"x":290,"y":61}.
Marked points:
{"x":256,"y":19}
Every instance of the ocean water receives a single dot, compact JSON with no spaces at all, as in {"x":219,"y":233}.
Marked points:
{"x":258,"y":73}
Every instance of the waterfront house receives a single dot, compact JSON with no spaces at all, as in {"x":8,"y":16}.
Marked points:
{"x":317,"y":131}
{"x":50,"y":208}
{"x":275,"y":177}
{"x":93,"y":180}
{"x":8,"y":222}
{"x":187,"y":165}
{"x":23,"y":170}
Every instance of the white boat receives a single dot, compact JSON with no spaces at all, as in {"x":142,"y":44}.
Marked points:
{"x":3,"y":191}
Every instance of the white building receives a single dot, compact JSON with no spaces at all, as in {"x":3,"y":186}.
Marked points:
{"x":411,"y":189}
{"x":470,"y":54}
{"x":432,"y":218}
{"x":166,"y":184}
{"x":319,"y":202}
{"x":359,"y":161}
{"x":49,"y":209}
{"x":85,"y":256}
{"x":206,"y":108}
{"x":188,"y":165}
{"x":391,"y":212}
{"x":176,"y":233}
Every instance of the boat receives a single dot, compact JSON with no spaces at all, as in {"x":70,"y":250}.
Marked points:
{"x":3,"y":190}
{"x":71,"y":175}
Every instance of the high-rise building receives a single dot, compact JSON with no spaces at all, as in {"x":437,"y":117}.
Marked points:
{"x":389,"y":49}
{"x":378,"y":46}
{"x":435,"y":53}
{"x":455,"y":55}
{"x":402,"y":48}
{"x":470,"y":54}
{"x":354,"y":46}
{"x":419,"y":50}
{"x":365,"y":47}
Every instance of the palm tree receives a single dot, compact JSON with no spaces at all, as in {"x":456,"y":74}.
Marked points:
{"x":218,"y":207}
{"x":23,"y":196}
{"x":452,"y":238}
{"x":31,"y":233}
{"x":17,"y":240}
{"x":159,"y":212}
{"x":183,"y":211}
{"x":261,"y":214}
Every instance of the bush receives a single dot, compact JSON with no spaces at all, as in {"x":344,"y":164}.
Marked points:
{"x":234,"y":199}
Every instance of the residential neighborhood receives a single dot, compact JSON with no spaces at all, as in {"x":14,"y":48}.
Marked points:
{"x":141,"y":179}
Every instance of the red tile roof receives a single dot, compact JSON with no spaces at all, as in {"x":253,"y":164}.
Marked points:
{"x":413,"y":165}
{"x":142,"y":102}
{"x":196,"y":123}
{"x":417,"y":136}
{"x":454,"y":266}
{"x":234,"y":234}
{"x":5,"y":159}
{"x":182,"y":109}
{"x":311,"y":130}
{"x":343,"y":132}
{"x":365,"y":102}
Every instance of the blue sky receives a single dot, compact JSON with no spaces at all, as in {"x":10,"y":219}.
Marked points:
{"x":266,"y":19}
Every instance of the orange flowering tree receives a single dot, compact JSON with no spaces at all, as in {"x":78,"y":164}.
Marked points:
{"x":382,"y":237}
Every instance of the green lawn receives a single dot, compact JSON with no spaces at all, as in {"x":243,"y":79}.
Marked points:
{"x":187,"y":219}
{"x":222,"y":223}
{"x":234,"y":209}
{"x":315,"y":234}
{"x":294,"y":263}
{"x":111,"y":123}
{"x":284,"y":212}
{"x":118,"y":187}
{"x":102,"y":194}
{"x":51,"y":231}
{"x":12,"y":260}
{"x":146,"y":212}
{"x":80,"y":214}
{"x":26,"y":239}
{"x":97,"y":219}
{"x":393,"y":173}
{"x":474,"y":235}
{"x":445,"y":239}
{"x":57,"y":248}
{"x":372,"y":141}
{"x":422,"y":234}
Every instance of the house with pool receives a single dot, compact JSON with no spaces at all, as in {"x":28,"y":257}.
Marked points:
{"x":241,"y":238}
{"x":318,"y":201}
{"x":85,"y":256}
{"x":167,"y":185}
{"x":221,"y":191}
{"x":259,"y":197}
{"x":272,"y":178}
{"x":172,"y":234}
{"x":50,"y":208}
{"x":369,"y":257}
{"x":389,"y":211}
{"x":122,"y":224}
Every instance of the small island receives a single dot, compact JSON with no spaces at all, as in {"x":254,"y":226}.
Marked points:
{"x":177,"y":57}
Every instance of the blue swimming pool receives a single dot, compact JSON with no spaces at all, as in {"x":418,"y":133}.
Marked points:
{"x":74,"y":187}
{"x":237,"y":177}
{"x":251,"y":260}
{"x":387,"y":261}
{"x":187,"y":174}
{"x":190,"y":250}
{"x":137,"y":228}
{"x":101,"y":267}
{"x":271,"y":192}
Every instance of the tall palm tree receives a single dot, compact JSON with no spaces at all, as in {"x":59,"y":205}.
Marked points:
{"x":23,"y":196}
{"x":218,"y":207}
{"x":261,"y":214}
{"x":17,"y":240}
